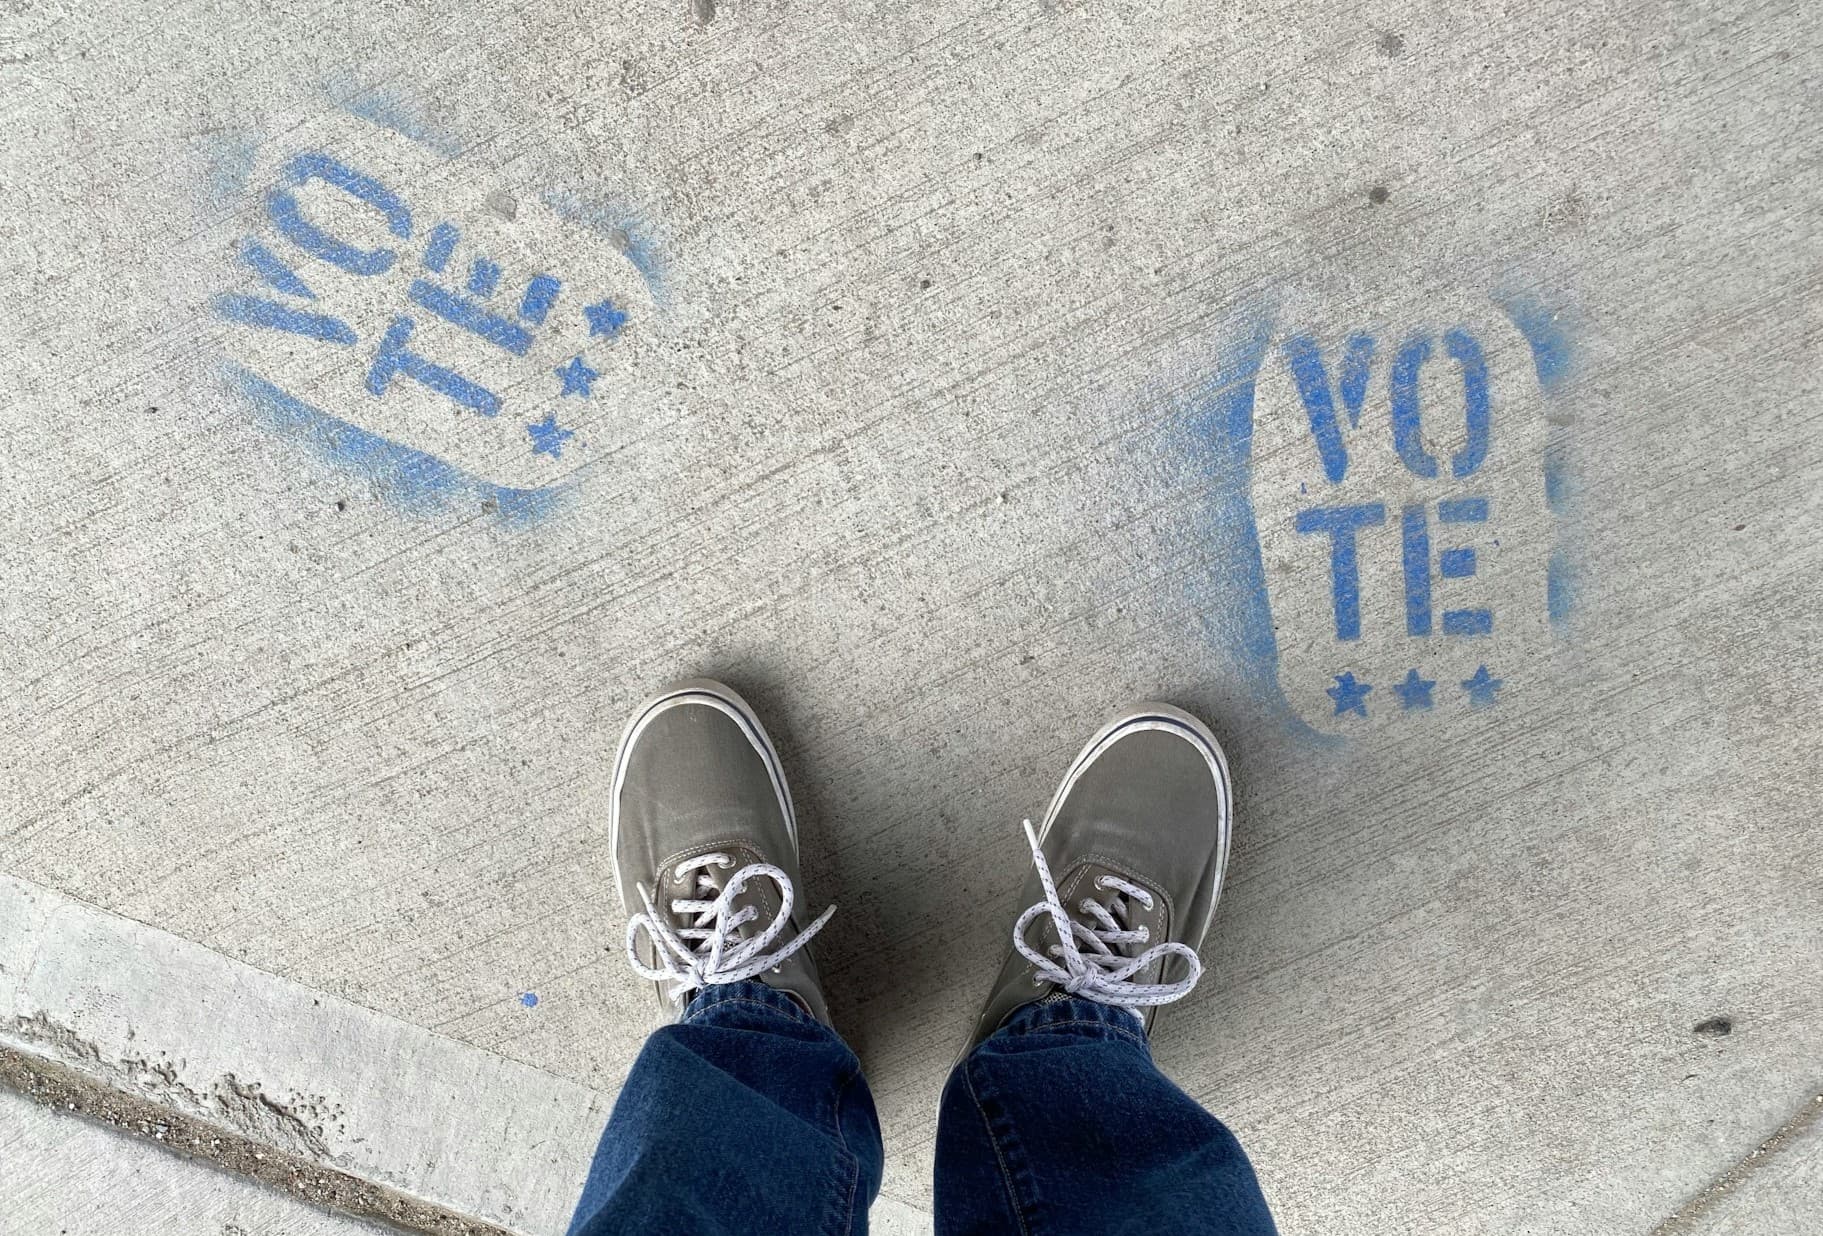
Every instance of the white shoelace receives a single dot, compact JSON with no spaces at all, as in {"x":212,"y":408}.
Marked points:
{"x":1102,"y":973}
{"x":708,"y":951}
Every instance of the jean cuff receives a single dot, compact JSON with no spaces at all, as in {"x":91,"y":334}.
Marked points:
{"x":1076,"y":1016}
{"x":713,"y":1004}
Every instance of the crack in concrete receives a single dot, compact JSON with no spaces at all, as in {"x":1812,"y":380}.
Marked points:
{"x":69,"y":1089}
{"x":1684,"y":1218}
{"x":242,"y":1106}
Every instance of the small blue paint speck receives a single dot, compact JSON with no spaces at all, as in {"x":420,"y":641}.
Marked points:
{"x":529,"y":999}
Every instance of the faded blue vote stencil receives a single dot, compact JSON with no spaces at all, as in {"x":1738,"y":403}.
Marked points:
{"x":446,"y":336}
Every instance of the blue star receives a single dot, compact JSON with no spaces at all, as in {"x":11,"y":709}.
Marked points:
{"x":605,"y":318}
{"x":1481,"y":687}
{"x":577,"y":377}
{"x":1414,"y":692}
{"x":547,"y":438}
{"x":1349,"y":695}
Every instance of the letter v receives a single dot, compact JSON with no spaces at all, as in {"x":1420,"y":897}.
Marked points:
{"x":1306,"y":360}
{"x":271,"y":314}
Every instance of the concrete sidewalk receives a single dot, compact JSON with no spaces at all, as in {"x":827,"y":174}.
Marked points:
{"x":1426,"y":395}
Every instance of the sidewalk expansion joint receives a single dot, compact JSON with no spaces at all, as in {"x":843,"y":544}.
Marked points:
{"x":66,"y":1090}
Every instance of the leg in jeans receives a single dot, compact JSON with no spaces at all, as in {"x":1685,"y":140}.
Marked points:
{"x":1060,"y":1122}
{"x":748,"y":1115}
{"x":1057,"y":1120}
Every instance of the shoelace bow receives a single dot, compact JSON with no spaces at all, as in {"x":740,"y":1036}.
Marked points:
{"x":709,"y":950}
{"x":1103,"y":973}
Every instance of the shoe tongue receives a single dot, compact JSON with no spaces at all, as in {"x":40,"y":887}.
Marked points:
{"x":1107,"y":901}
{"x":1126,"y":949}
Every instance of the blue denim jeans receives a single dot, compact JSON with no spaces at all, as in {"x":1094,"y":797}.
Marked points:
{"x":750,"y":1117}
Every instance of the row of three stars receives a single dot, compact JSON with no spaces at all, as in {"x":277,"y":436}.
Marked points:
{"x":1350,"y":693}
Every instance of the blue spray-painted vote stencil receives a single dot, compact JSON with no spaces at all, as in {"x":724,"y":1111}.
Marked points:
{"x":1410,"y":548}
{"x":447,"y":334}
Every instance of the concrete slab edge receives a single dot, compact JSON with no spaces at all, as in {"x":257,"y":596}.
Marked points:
{"x":152,"y":1023}
{"x":68,"y":1091}
{"x":1690,"y":1217}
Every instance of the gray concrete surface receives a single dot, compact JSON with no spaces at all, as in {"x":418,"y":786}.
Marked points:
{"x":925,"y":428}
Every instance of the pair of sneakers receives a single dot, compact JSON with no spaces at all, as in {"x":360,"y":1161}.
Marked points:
{"x":1127,"y":862}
